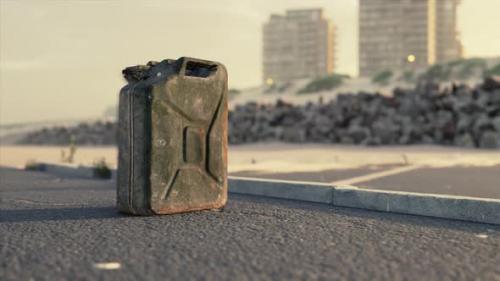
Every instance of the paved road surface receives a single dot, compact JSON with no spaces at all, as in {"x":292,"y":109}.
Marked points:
{"x":462,"y":181}
{"x":59,"y":229}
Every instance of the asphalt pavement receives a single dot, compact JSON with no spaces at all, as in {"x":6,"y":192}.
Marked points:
{"x":69,"y":229}
{"x":481,"y":182}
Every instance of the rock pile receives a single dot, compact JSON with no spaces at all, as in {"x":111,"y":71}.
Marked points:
{"x":98,"y":133}
{"x":461,"y":116}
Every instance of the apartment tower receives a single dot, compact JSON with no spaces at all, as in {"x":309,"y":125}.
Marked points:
{"x":299,"y":44}
{"x":399,"y":34}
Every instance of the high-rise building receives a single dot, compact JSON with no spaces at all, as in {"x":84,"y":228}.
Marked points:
{"x":398,"y":34}
{"x":299,"y":44}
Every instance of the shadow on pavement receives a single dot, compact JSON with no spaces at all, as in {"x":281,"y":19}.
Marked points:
{"x":59,"y":214}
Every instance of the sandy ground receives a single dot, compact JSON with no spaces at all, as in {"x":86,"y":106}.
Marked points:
{"x":277,"y":157}
{"x":18,"y":156}
{"x":423,"y":169}
{"x":285,"y":158}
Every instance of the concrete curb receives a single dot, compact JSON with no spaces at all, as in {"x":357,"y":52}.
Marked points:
{"x":304,"y":191}
{"x":431,"y":205}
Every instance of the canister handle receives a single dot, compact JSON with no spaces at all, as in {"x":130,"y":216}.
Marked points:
{"x":210,"y":65}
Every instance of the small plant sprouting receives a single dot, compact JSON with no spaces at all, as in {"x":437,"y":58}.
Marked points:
{"x":71,"y":151}
{"x":101,"y":169}
{"x":33,"y":165}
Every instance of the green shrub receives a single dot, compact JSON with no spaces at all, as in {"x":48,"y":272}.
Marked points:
{"x":101,"y":170}
{"x":269,"y":89}
{"x":234,"y":92}
{"x":382,"y":78}
{"x":461,"y":69}
{"x":32,"y":165}
{"x":454,"y":63}
{"x":468,"y":67}
{"x":284,"y":87}
{"x":495,"y":70}
{"x":408,"y":76}
{"x":440,"y":72}
{"x":324,"y":83}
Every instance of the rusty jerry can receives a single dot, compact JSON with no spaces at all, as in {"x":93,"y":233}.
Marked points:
{"x":172,"y":137}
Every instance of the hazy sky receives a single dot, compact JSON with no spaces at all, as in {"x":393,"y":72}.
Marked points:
{"x":63,"y":59}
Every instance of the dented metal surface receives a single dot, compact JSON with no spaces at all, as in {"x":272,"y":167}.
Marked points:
{"x":173,"y":137}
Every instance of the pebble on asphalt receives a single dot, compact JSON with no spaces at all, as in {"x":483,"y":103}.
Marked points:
{"x":107,"y":265}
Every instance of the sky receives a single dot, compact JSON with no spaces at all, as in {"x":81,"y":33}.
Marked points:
{"x":62,"y":60}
